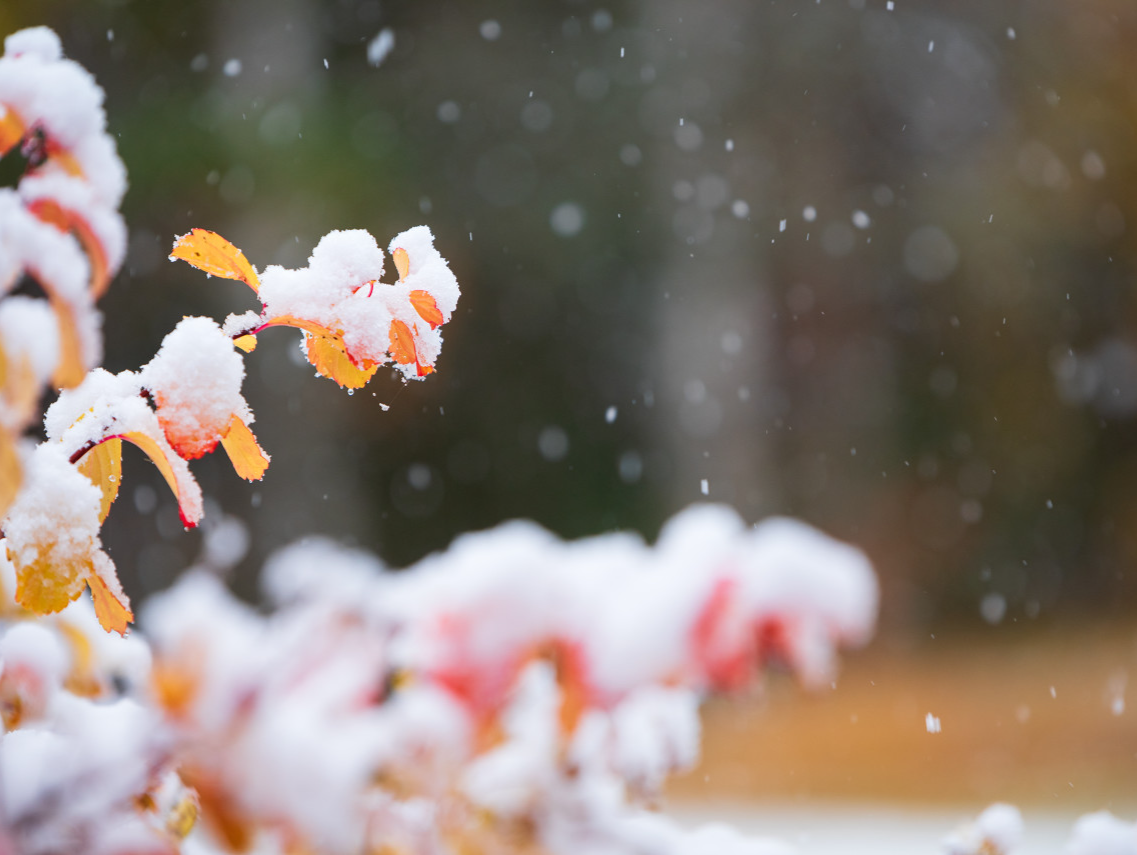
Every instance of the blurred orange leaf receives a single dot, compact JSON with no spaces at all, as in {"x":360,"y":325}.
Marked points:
{"x":103,"y":465}
{"x":114,"y":615}
{"x":175,"y":684}
{"x":71,"y":369}
{"x":11,"y":129}
{"x":19,"y":388}
{"x":249,"y":460}
{"x":50,"y":211}
{"x":210,"y":252}
{"x":427,"y":308}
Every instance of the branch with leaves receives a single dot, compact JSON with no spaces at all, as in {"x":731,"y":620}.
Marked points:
{"x":61,"y":228}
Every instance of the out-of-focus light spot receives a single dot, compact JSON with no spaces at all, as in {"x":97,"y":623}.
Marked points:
{"x":536,"y":116}
{"x":1093,"y":167}
{"x":630,"y":467}
{"x":238,"y":185}
{"x":688,"y":136}
{"x":567,"y":219}
{"x":553,"y":443}
{"x":929,"y":254}
{"x":449,"y":112}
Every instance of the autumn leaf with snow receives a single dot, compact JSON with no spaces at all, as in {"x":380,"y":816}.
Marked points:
{"x":352,"y":322}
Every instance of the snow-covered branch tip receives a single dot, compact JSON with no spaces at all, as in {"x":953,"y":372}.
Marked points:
{"x":352,"y":322}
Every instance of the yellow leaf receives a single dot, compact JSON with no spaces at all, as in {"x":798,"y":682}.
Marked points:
{"x":247,"y":343}
{"x":103,"y":465}
{"x":52,"y":580}
{"x":11,"y":476}
{"x":402,"y":262}
{"x":248,"y":459}
{"x":114,"y":615}
{"x":330,"y":358}
{"x":210,"y":252}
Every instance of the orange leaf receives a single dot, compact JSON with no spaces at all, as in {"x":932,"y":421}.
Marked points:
{"x":154,"y":451}
{"x":11,"y":129}
{"x":402,"y":343}
{"x":329,"y":356}
{"x":210,"y":252}
{"x":402,"y":262}
{"x":241,"y":446}
{"x":103,"y":465}
{"x":247,"y":343}
{"x":114,"y":615}
{"x":427,"y":308}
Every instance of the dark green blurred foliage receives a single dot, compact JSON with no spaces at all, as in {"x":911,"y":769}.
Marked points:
{"x":948,"y":377}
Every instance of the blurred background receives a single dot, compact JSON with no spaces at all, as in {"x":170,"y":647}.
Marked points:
{"x":866,"y":262}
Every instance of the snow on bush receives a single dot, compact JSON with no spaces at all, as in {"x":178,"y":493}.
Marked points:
{"x":467,"y":702}
{"x":996,"y":831}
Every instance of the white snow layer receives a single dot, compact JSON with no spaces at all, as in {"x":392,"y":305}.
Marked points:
{"x":539,"y":681}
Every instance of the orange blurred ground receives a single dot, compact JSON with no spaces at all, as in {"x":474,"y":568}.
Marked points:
{"x":1004,"y":734}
